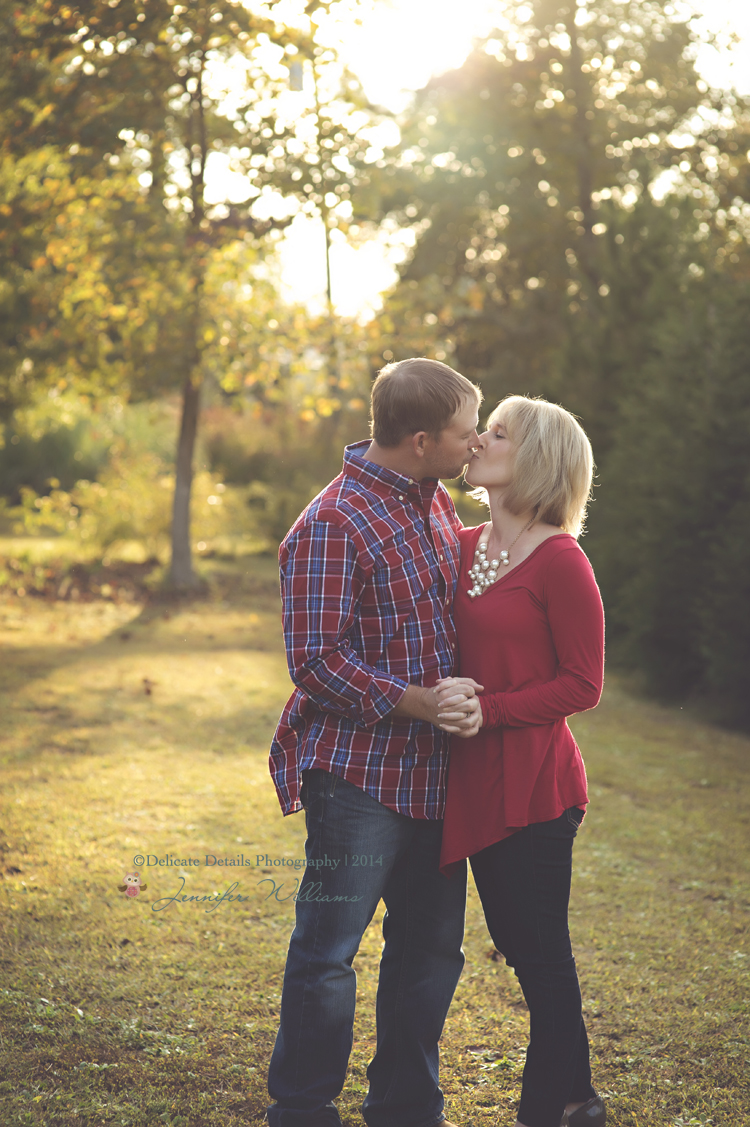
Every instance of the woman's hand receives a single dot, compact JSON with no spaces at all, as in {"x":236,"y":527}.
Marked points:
{"x":459,"y":710}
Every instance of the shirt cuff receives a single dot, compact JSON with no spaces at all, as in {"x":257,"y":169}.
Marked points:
{"x":381,"y":699}
{"x":491,"y":709}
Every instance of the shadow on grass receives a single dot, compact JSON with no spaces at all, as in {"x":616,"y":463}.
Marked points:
{"x":196,"y":672}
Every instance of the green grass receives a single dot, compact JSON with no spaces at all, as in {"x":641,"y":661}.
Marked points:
{"x":113,"y":1013}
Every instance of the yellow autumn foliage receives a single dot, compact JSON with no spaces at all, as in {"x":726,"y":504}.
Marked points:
{"x":132,"y":502}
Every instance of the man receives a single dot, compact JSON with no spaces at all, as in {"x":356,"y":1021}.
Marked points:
{"x":368,"y":574}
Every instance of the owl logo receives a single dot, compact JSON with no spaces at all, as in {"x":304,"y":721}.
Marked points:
{"x":132,"y":885}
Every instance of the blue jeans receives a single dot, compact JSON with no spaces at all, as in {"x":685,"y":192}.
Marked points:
{"x":524,"y":885}
{"x":380,"y":853}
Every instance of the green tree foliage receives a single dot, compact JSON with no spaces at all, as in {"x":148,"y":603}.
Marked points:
{"x":140,"y":96}
{"x":526,"y":177}
{"x":99,"y":471}
{"x":27,"y":340}
{"x":580,"y":206}
{"x":68,"y":235}
{"x":669,"y":531}
{"x":84,"y":299}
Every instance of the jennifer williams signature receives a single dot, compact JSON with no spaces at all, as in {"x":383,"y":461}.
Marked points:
{"x":309,"y":893}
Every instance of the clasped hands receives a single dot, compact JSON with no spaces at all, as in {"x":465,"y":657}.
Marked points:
{"x":459,"y":710}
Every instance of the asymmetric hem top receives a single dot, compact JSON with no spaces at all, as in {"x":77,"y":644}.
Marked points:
{"x":535,"y":641}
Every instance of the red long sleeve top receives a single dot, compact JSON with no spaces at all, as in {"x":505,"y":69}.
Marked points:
{"x":535,"y":640}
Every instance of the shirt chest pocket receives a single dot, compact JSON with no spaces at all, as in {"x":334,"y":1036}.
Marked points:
{"x":449,"y":549}
{"x":401,"y":576}
{"x":454,"y":550}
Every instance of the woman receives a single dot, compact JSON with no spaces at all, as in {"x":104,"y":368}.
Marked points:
{"x":530,"y":627}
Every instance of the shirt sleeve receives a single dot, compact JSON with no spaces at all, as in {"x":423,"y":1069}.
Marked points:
{"x":576,"y":620}
{"x":321,"y":587}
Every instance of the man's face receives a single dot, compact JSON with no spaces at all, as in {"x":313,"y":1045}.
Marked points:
{"x":447,"y":455}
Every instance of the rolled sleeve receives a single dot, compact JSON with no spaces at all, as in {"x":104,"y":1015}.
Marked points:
{"x":322,"y":584}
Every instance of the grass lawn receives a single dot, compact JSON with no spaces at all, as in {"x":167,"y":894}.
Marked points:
{"x":143,"y":729}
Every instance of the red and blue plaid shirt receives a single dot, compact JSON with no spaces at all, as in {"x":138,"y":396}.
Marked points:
{"x":368,"y":575}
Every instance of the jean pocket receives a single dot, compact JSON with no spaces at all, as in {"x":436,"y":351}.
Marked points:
{"x":575,"y":816}
{"x":316,"y":785}
{"x":312,"y":786}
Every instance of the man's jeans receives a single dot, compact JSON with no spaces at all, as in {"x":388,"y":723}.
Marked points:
{"x":378,"y":853}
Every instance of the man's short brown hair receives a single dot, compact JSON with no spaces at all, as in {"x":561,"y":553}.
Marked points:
{"x":415,"y":395}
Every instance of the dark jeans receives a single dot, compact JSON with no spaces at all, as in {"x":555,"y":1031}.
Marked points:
{"x":524,"y":885}
{"x":421,"y":963}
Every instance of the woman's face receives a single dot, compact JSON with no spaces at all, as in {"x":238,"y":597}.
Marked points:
{"x":492,"y":463}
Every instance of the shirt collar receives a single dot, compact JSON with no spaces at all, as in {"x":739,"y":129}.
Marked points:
{"x":371,"y":474}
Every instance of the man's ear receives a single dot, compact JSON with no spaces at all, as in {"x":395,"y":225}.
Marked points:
{"x":418,"y":442}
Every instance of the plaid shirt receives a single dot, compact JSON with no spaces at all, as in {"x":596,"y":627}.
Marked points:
{"x":368,"y":575}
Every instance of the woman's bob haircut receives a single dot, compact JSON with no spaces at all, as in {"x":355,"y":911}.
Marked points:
{"x":553,"y":468}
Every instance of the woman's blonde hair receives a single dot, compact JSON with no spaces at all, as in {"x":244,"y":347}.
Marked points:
{"x":554,"y":465}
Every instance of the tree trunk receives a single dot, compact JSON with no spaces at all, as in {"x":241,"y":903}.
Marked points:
{"x":181,"y":573}
{"x":584,"y":155}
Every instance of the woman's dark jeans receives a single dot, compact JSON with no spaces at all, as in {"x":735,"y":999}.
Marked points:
{"x":359,"y":851}
{"x":524,"y":885}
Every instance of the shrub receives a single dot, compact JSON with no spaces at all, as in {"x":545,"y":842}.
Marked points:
{"x":132,"y":502}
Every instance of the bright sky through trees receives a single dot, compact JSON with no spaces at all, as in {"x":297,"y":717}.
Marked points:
{"x":395,"y":50}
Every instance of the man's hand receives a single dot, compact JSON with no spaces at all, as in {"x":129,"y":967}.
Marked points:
{"x":452,"y":705}
{"x":460,"y":711}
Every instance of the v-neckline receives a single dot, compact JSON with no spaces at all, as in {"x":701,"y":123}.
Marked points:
{"x":510,"y":570}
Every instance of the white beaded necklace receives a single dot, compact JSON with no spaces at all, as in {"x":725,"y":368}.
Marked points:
{"x":484,"y":572}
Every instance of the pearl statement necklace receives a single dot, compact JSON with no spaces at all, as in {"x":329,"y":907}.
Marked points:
{"x":484,"y":572}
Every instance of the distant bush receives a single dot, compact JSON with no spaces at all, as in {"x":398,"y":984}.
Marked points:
{"x":131,"y":501}
{"x":66,"y":453}
{"x":670,"y":529}
{"x":66,"y":438}
{"x":281,"y":460}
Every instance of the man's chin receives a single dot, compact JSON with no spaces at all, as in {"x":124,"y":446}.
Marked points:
{"x":453,"y":472}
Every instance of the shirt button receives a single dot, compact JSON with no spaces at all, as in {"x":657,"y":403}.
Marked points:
{"x":441,"y":557}
{"x":400,"y":496}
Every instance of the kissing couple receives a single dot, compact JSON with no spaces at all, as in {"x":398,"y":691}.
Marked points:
{"x":434,"y":668}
